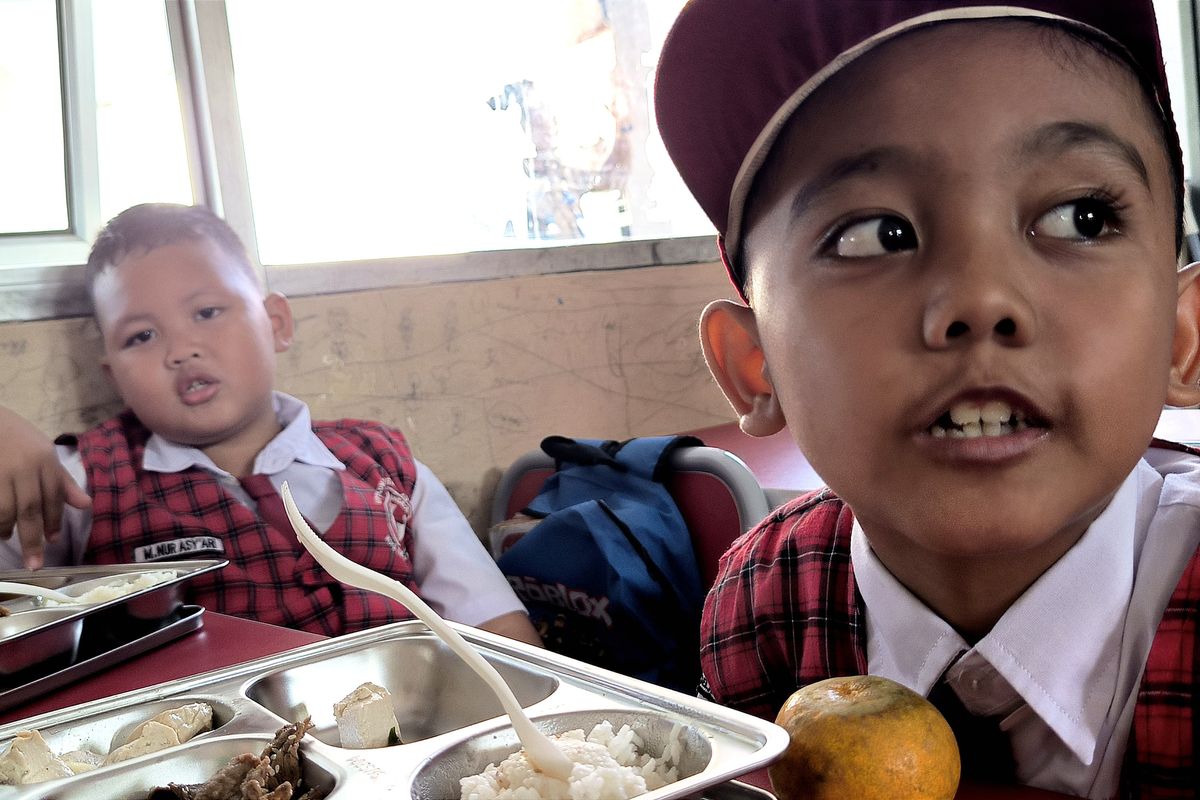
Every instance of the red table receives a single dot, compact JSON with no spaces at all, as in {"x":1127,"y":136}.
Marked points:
{"x":221,"y":642}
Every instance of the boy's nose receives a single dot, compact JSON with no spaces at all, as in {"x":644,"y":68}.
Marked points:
{"x":977,"y":308}
{"x":177,"y":357}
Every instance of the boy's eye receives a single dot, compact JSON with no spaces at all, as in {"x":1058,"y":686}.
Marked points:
{"x":208,"y":312}
{"x":1082,"y":219}
{"x":141,"y":337}
{"x":876,"y":236}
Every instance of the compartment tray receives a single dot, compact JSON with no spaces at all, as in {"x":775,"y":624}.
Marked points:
{"x":188,"y":619}
{"x":722,"y":744}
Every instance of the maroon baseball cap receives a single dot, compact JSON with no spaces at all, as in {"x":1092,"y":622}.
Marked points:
{"x":732,"y":72}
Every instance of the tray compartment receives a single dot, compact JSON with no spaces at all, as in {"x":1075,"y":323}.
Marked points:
{"x":433,"y":690}
{"x":97,"y":732}
{"x":103,"y":733}
{"x":148,"y":603}
{"x":194,"y":762}
{"x":438,"y":778}
{"x":42,"y":638}
{"x":32,"y":642}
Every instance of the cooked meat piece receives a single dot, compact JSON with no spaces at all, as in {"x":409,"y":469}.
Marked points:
{"x":284,"y":752}
{"x":225,"y":785}
{"x":262,"y":783}
{"x":272,"y":775}
{"x":252,"y":791}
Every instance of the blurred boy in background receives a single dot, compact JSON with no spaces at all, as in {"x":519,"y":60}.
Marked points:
{"x":192,"y":468}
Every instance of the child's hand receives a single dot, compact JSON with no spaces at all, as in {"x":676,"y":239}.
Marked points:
{"x":33,"y":486}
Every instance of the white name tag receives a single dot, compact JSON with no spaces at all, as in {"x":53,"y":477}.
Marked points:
{"x":179,"y":547}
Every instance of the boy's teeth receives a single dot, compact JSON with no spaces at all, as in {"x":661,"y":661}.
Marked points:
{"x":970,"y":420}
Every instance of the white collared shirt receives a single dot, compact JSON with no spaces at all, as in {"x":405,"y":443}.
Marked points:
{"x":1064,"y":662}
{"x":455,"y":573}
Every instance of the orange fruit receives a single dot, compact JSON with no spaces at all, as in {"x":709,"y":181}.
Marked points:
{"x":864,"y":737}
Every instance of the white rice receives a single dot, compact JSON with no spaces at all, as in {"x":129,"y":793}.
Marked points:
{"x":111,"y":591}
{"x":607,"y":766}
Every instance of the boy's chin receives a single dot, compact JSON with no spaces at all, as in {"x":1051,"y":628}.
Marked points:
{"x":995,"y":540}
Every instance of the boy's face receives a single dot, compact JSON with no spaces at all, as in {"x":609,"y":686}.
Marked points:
{"x":190,"y":342}
{"x":972,"y":216}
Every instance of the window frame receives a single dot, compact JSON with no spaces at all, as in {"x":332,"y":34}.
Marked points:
{"x":203,"y":59}
{"x":36,"y":292}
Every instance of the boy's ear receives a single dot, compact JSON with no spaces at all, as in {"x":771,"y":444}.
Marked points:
{"x":729,"y":335}
{"x":1183,"y":389}
{"x":279,"y":311}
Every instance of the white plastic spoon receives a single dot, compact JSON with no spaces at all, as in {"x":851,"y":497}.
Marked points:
{"x":542,"y":753}
{"x":11,"y":587}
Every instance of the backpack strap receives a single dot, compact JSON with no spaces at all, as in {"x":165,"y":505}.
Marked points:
{"x":645,"y":456}
{"x":582,"y":452}
{"x":649,"y":456}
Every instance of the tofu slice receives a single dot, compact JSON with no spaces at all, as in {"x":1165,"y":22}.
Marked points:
{"x":186,"y":720}
{"x":153,"y":736}
{"x":366,"y":718}
{"x":81,"y":760}
{"x":29,"y":759}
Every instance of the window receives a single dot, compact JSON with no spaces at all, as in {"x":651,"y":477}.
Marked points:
{"x":31,"y":154}
{"x":403,"y":129}
{"x":93,"y":85}
{"x":358,"y":144}
{"x":140,"y":144}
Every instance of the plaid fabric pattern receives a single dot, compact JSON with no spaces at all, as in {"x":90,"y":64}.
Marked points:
{"x":784,"y":613}
{"x":270,"y":576}
{"x":1161,"y":762}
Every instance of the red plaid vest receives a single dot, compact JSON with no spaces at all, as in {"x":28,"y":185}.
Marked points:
{"x":270,"y":576}
{"x":784,"y":612}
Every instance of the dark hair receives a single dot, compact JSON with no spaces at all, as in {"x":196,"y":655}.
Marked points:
{"x":147,"y":226}
{"x":1167,"y":135}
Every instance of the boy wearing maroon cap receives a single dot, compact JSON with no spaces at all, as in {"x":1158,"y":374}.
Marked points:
{"x":192,"y":469}
{"x":955,"y":229}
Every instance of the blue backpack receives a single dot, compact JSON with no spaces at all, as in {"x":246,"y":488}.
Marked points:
{"x":609,"y":574}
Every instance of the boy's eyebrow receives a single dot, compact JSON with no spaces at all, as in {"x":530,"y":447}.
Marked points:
{"x":1051,"y":139}
{"x":1055,"y":138}
{"x":868,"y":161}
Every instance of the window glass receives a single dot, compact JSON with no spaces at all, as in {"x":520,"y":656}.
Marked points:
{"x":1173,"y":16}
{"x":32,"y":157}
{"x":376,"y":128}
{"x":139,"y":126}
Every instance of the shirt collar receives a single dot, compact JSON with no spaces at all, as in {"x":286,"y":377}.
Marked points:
{"x":1058,"y":645}
{"x":296,"y":442}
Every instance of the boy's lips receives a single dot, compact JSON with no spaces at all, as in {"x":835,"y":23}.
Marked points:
{"x":985,"y":425}
{"x":196,"y":388}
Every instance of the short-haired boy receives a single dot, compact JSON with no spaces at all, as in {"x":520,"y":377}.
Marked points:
{"x":955,"y":227}
{"x":192,"y":468}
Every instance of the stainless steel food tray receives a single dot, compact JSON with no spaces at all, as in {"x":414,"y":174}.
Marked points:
{"x":93,"y":659}
{"x":450,"y":724}
{"x":36,"y":641}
